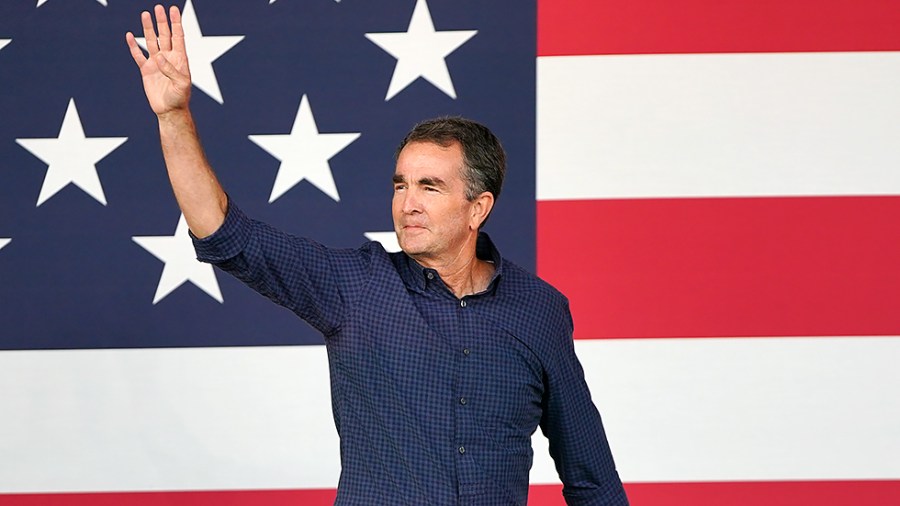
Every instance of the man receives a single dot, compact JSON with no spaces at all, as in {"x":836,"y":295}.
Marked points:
{"x":444,"y":358}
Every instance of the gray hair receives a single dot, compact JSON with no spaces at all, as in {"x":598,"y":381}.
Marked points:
{"x":484,"y":160}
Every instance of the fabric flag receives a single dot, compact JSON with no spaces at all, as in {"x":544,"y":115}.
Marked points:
{"x":714,"y":185}
{"x":717,"y":194}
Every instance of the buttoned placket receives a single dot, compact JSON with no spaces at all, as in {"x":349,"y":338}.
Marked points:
{"x":466,"y":352}
{"x":469,"y":477}
{"x":461,"y":401}
{"x":464,"y":403}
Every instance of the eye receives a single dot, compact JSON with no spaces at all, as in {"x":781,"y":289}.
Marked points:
{"x":399,"y":187}
{"x":431,"y":189}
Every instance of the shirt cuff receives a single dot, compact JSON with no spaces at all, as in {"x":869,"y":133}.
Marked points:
{"x":228,"y":240}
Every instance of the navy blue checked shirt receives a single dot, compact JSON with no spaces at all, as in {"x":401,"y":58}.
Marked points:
{"x":435,"y":398}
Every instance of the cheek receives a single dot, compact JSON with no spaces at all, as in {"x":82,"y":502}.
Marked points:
{"x":457,"y":218}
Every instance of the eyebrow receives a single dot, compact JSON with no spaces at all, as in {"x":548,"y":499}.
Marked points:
{"x":425,"y":181}
{"x":432,"y":181}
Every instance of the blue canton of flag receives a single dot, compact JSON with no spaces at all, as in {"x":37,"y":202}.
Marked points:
{"x":300,"y":105}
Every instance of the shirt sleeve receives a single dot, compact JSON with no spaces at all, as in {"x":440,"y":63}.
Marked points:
{"x":573,"y":426}
{"x":315,"y":282}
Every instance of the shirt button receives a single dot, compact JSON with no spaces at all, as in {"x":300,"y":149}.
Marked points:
{"x":466,"y":352}
{"x":462,"y":449}
{"x":463,"y":401}
{"x":430,"y":275}
{"x":462,"y":303}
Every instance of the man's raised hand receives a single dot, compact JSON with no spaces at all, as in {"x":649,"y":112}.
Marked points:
{"x":165,"y":72}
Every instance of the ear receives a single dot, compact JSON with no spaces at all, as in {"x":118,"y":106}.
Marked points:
{"x":481,"y":208}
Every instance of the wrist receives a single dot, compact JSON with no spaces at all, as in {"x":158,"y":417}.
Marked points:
{"x":176,"y":120}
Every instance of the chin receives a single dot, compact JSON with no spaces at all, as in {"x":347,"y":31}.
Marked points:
{"x":409,"y":242}
{"x":412,"y":248}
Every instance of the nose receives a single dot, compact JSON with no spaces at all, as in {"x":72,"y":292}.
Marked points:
{"x":410,"y":203}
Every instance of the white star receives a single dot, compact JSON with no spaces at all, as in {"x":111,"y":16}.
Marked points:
{"x":420,"y":52}
{"x":71,"y":157}
{"x":4,"y":242}
{"x":42,"y":2}
{"x":4,"y":42}
{"x":202,"y":51}
{"x":387,"y":239}
{"x":181,"y":264}
{"x":304,"y":153}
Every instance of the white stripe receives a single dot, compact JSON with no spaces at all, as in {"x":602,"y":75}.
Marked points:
{"x":768,"y":124}
{"x":744,"y":409}
{"x":249,"y":418}
{"x":166,"y":419}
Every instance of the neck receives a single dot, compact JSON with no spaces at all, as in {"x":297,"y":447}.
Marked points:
{"x":470,"y":279}
{"x":462,"y":272}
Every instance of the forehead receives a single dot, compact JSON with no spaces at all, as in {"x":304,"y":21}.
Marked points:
{"x":423,"y":159}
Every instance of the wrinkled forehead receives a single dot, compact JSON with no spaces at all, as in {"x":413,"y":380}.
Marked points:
{"x":429,"y":159}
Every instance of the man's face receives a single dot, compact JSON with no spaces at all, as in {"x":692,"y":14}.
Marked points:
{"x":432,"y":217}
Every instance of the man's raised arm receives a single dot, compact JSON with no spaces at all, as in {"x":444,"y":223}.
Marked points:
{"x":167,"y":84}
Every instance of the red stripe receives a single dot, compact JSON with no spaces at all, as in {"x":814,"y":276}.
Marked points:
{"x":821,"y":493}
{"x":788,"y":493}
{"x":576,"y":27}
{"x":193,"y":498}
{"x":725,"y":267}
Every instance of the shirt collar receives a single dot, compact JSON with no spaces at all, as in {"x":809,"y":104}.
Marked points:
{"x":419,"y":278}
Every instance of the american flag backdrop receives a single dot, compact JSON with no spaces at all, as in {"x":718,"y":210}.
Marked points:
{"x":713,"y":184}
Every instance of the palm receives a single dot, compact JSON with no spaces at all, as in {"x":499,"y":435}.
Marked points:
{"x":163,"y":93}
{"x":165,"y":72}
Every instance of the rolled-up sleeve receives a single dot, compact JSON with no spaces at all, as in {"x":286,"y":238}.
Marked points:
{"x":228,"y":240}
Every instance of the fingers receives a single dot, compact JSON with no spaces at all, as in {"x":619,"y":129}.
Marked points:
{"x":149,"y":33}
{"x":177,"y":29}
{"x":160,"y":38}
{"x":162,"y":27}
{"x":136,"y":52}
